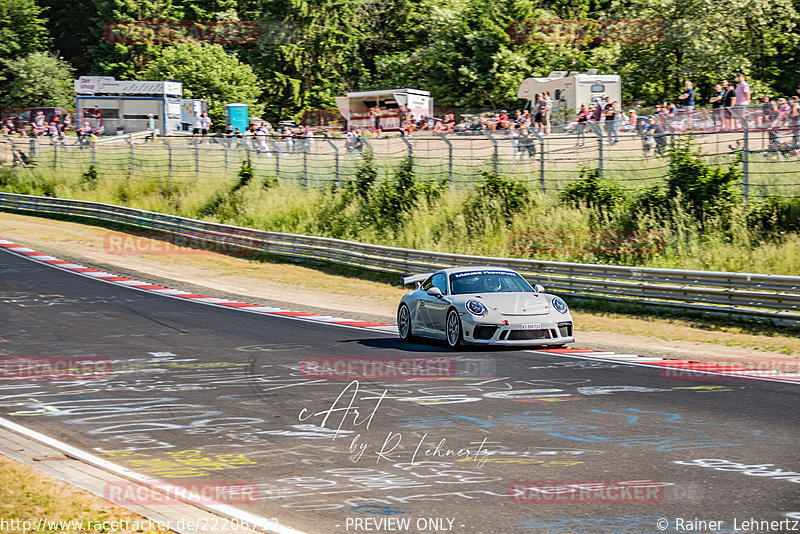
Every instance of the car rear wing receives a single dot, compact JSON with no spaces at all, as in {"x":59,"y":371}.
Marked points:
{"x":415,"y":278}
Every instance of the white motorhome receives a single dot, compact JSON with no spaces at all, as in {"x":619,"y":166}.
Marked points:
{"x":355,"y":107}
{"x":570,"y":90}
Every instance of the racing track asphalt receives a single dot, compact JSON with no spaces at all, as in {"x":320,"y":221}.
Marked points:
{"x":205,"y":395}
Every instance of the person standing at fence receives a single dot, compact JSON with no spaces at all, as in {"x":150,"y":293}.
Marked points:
{"x":687,"y":98}
{"x":198,"y":124}
{"x":728,"y":101}
{"x":538,"y":110}
{"x":548,"y":110}
{"x":151,"y":127}
{"x":613,"y":117}
{"x":205,"y":124}
{"x":742,"y":98}
{"x":583,"y":117}
{"x":375,"y":115}
{"x":716,"y":101}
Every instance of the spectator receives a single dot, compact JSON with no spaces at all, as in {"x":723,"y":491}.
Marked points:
{"x":728,"y":101}
{"x":98,"y":119}
{"x":687,"y":100}
{"x":197,"y":127}
{"x":765,"y":118}
{"x":513,"y":134}
{"x":633,"y":121}
{"x":502,"y":119}
{"x":583,"y":117}
{"x":67,"y":123}
{"x":612,"y":116}
{"x":717,"y":102}
{"x":8,"y":127}
{"x":375,"y":115}
{"x":547,"y":111}
{"x":205,"y":124}
{"x":539,"y":107}
{"x":597,"y":114}
{"x":151,"y":127}
{"x":38,"y":125}
{"x":84,"y":133}
{"x":742,"y":91}
{"x":656,"y":135}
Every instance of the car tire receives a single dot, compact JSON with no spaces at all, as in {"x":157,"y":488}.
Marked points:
{"x":404,"y":327}
{"x":453,"y":332}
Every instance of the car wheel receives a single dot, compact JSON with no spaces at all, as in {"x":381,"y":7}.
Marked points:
{"x":454,"y":337}
{"x":404,"y":324}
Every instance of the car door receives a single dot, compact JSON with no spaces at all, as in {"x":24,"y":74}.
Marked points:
{"x":436,"y":307}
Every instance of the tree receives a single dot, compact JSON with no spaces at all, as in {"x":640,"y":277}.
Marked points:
{"x":307,"y":53}
{"x":208,"y":72}
{"x":22,"y":29}
{"x":39,"y":80}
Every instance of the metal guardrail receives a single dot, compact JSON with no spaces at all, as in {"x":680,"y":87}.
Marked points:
{"x":762,"y":295}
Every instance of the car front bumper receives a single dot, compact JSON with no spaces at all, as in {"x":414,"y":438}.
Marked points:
{"x":539,"y":330}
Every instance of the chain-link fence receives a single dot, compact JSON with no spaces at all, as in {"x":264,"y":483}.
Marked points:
{"x":768,"y":157}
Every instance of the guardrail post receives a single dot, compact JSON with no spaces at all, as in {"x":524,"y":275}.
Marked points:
{"x":449,"y":157}
{"x":596,"y":129}
{"x":336,"y":161}
{"x":496,"y":150}
{"x":169,"y":160}
{"x":196,"y":156}
{"x":130,"y":167}
{"x":541,"y":158}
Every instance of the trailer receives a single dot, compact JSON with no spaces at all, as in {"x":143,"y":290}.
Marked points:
{"x":355,"y":107}
{"x":570,"y":90}
{"x":124,"y":105}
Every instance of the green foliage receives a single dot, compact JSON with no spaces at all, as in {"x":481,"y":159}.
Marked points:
{"x":245,"y":175}
{"x":361,"y":184}
{"x":90,"y":179}
{"x":208,"y":72}
{"x":593,"y":190}
{"x":22,"y":29}
{"x":38,"y":79}
{"x":705,"y":191}
{"x":775,"y":214}
{"x":498,"y":198}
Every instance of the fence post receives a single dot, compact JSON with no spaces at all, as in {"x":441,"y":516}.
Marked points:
{"x":196,"y":156}
{"x":745,"y":160}
{"x":408,"y":145}
{"x":596,"y":129}
{"x":305,"y":166}
{"x":55,"y":153}
{"x":34,"y":145}
{"x":336,"y":160}
{"x":169,"y":160}
{"x":496,"y":157}
{"x":449,"y":157}
{"x":130,"y":166}
{"x":94,"y":153}
{"x":541,"y":158}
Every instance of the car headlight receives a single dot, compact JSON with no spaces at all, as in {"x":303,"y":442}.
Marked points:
{"x":559,"y":305}
{"x":475,"y":307}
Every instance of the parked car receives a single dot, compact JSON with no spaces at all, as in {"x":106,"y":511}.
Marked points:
{"x":482,"y":305}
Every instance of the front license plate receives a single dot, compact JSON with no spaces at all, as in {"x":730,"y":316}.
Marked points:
{"x":531,"y":326}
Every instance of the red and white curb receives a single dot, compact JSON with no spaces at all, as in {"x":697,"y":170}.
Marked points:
{"x":689,"y":368}
{"x":177,"y":293}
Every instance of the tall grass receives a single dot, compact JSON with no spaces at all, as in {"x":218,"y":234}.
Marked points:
{"x":425,"y":214}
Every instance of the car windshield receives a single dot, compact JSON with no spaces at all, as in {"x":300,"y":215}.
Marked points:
{"x":488,"y":282}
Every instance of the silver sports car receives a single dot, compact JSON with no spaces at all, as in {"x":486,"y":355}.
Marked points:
{"x":483,"y":305}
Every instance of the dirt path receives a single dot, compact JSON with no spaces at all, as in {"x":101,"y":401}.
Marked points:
{"x":305,"y":289}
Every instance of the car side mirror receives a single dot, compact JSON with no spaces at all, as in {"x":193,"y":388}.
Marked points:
{"x":539,"y":288}
{"x":435,"y":292}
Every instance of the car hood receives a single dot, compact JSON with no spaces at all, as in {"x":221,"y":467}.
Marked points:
{"x":516,"y":303}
